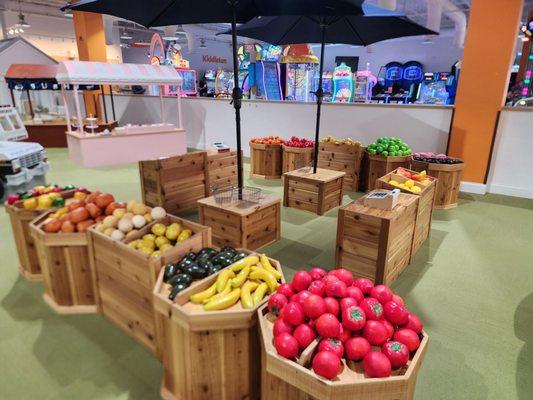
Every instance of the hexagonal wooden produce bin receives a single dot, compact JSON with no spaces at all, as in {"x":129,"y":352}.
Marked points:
{"x":208,"y":355}
{"x":283,"y":379}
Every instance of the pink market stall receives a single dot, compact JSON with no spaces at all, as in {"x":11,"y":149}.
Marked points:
{"x":123,"y":144}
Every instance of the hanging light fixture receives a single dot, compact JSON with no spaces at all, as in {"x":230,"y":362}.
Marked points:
{"x":180,"y":31}
{"x":125,"y":35}
{"x":22,"y":21}
{"x":68,"y":12}
{"x":202,"y":44}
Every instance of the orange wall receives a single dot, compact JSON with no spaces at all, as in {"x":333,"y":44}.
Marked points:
{"x":489,"y":49}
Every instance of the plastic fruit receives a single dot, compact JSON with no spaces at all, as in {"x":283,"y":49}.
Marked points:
{"x":138,"y":221}
{"x":333,"y":345}
{"x":377,"y":365}
{"x":158,"y":212}
{"x":165,"y":247}
{"x":318,"y":288}
{"x":353,"y":318}
{"x":395,"y":313}
{"x":355,"y":293}
{"x":161,"y":240}
{"x":281,"y":326}
{"x":356,"y":348}
{"x":30,"y":204}
{"x":414,"y":323}
{"x":314,"y":306}
{"x":125,"y":225}
{"x":332,"y":306}
{"x":326,"y":364}
{"x":293,"y":313}
{"x":139,"y":209}
{"x":276,"y":303}
{"x":172,"y":232}
{"x":79,"y":195}
{"x":159,"y":229}
{"x":372,"y":308}
{"x":304,"y":334}
{"x":375,"y":332}
{"x":408,"y":337}
{"x":381,"y":293}
{"x":44,"y":201}
{"x":336,"y":288}
{"x":286,"y":345}
{"x":397,"y":353}
{"x":117,"y":235}
{"x":364,"y":284}
{"x":301,"y":280}
{"x":328,"y":326}
{"x":286,"y":290}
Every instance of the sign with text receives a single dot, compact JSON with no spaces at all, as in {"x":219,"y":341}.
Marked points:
{"x":214,"y":60}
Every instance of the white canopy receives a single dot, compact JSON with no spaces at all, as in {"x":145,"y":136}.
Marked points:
{"x":101,"y":73}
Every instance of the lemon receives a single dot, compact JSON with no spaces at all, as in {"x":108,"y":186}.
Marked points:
{"x":393,"y":182}
{"x":149,"y":236}
{"x":173,"y":231}
{"x":409,"y":183}
{"x":161,"y":240}
{"x":156,"y":254}
{"x":159,"y":229}
{"x":145,"y":250}
{"x":416,"y":189}
{"x":165,"y":247}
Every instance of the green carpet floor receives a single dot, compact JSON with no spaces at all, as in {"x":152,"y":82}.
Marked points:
{"x":472,"y":284}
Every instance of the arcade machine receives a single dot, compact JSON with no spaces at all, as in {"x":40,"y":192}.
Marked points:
{"x":301,"y":72}
{"x":327,"y":85}
{"x":268,"y":74}
{"x":453,"y":82}
{"x":223,"y":84}
{"x":363,"y":85}
{"x":246,"y":53}
{"x":188,"y":76}
{"x":413,"y":74}
{"x":342,"y":84}
{"x":433,"y":88}
{"x":210,"y":77}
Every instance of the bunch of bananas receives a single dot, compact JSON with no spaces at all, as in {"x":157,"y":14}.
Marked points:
{"x":247,"y":280}
{"x":348,"y":141}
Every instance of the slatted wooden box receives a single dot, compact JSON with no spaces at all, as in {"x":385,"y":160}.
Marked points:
{"x":296,"y":157}
{"x":283,"y":379}
{"x":375,"y":243}
{"x":449,"y":179}
{"x":221,"y":170}
{"x":125,"y":278}
{"x":266,"y":161}
{"x":345,"y":158}
{"x":424,"y":212}
{"x":208,"y":354}
{"x":378,"y":166}
{"x":68,"y":283}
{"x":317,"y":193}
{"x":242,"y":224}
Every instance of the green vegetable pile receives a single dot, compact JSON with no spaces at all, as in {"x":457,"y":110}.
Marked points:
{"x":389,"y":147}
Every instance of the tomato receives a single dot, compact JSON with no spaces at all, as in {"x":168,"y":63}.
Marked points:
{"x":276,"y":303}
{"x":407,"y":337}
{"x":281,"y":326}
{"x":381,"y":293}
{"x":377,"y":365}
{"x":395,"y":313}
{"x":364,"y":284}
{"x":398,"y":299}
{"x":357,"y":348}
{"x":375,"y":332}
{"x":286,"y":290}
{"x":317,"y":273}
{"x":353,"y":318}
{"x":328,"y":326}
{"x":293,"y":313}
{"x":332,"y":306}
{"x":347,"y":302}
{"x":355,"y":292}
{"x":372,"y":308}
{"x":333,"y":345}
{"x":414,"y":323}
{"x":314,"y":306}
{"x":326,"y":364}
{"x":318,"y":287}
{"x":329,"y":277}
{"x":336,"y":288}
{"x":286,"y":345}
{"x":304,"y":334}
{"x":345,"y":335}
{"x":344,"y":275}
{"x":301,"y":280}
{"x":300,"y":297}
{"x":397,"y":353}
{"x":389,"y":327}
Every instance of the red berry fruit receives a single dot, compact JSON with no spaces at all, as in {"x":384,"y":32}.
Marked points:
{"x":364,"y":284}
{"x":357,"y":348}
{"x":381,"y":293}
{"x":314,"y":306}
{"x":293,"y":313}
{"x":353,"y":318}
{"x":372,"y":308}
{"x":281,"y":326}
{"x":304,"y":334}
{"x":286,"y":345}
{"x":333,"y":345}
{"x":375,"y":332}
{"x":395,"y":313}
{"x":328,"y":326}
{"x":407,"y":337}
{"x":276,"y":302}
{"x":301,"y":280}
{"x":397,"y":353}
{"x":377,"y":365}
{"x":326,"y":364}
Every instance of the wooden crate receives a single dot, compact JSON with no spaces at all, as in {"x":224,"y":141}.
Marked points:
{"x":265,"y":161}
{"x":208,"y":355}
{"x":317,"y":193}
{"x":449,"y":179}
{"x":296,"y":158}
{"x":174,"y":183}
{"x":125,"y":278}
{"x":283,"y":379}
{"x":345,"y":158}
{"x":221,"y":170}
{"x":379,"y":166}
{"x":425,"y":205}
{"x":374,"y":243}
{"x":242,"y":224}
{"x":68,"y":283}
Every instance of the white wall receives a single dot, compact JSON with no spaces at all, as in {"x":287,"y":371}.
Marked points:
{"x":208,"y":120}
{"x":512,"y":160}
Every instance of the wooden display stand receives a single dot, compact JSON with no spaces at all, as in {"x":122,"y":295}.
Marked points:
{"x":342,"y":157}
{"x":317,"y":193}
{"x":283,"y":379}
{"x":208,"y":354}
{"x":68,"y":284}
{"x":374,"y":243}
{"x":124,"y":278}
{"x":221,"y":170}
{"x":265,"y":161}
{"x":379,"y":166}
{"x":242,"y":224}
{"x":449,"y":179}
{"x":424,"y":211}
{"x":296,"y":157}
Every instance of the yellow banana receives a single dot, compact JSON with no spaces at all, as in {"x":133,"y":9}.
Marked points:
{"x":224,"y":292}
{"x":241,"y":277}
{"x":259,"y":293}
{"x":244,"y":262}
{"x":223,"y":277}
{"x":266,"y":276}
{"x":246,"y":297}
{"x":199,"y":297}
{"x":224,"y":302}
{"x":266,"y":265}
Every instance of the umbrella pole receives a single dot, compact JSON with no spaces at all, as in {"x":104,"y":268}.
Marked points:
{"x":319,"y":94}
{"x":237,"y":98}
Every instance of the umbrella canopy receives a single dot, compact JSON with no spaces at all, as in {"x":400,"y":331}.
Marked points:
{"x":376,"y":24}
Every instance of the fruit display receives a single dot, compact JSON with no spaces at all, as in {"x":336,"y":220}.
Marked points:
{"x":348,"y":141}
{"x":37,"y":191}
{"x":389,"y":147}
{"x":331,"y":317}
{"x":81,"y":213}
{"x":268,"y":140}
{"x":44,"y":199}
{"x":301,"y":143}
{"x":436,"y":158}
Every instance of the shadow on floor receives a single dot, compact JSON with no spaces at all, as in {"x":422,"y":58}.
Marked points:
{"x":24,"y":301}
{"x":523,"y":328}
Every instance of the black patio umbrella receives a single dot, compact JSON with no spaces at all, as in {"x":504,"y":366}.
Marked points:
{"x":376,"y":24}
{"x":155,"y":13}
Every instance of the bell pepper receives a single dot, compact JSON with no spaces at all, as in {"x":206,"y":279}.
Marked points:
{"x":58,"y":202}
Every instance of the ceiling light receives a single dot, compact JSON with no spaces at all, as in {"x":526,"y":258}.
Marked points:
{"x":180,"y":31}
{"x":169,"y":34}
{"x":11,"y":32}
{"x":126,"y":35}
{"x":202,"y":44}
{"x":22,"y":21}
